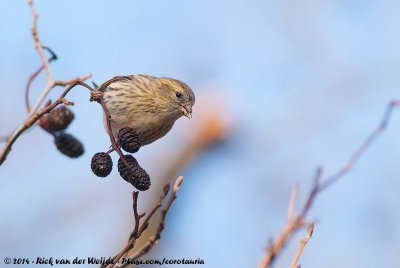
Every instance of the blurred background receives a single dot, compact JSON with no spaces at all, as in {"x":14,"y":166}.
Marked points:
{"x":281,"y":88}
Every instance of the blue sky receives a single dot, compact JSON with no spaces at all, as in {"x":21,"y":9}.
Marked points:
{"x":303,"y":84}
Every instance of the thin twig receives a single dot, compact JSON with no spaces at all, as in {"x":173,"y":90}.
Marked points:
{"x":153,"y":240}
{"x":110,"y":133}
{"x":33,"y":118}
{"x":295,"y":223}
{"x":34,"y":114}
{"x":135,"y":195}
{"x":137,"y":217}
{"x":353,"y":159}
{"x":109,"y":151}
{"x":98,"y":97}
{"x":314,"y":191}
{"x":38,"y":45}
{"x":292,"y":203}
{"x":133,"y":238}
{"x":39,"y":48}
{"x":34,"y":75}
{"x":303,"y":243}
{"x":280,"y":241}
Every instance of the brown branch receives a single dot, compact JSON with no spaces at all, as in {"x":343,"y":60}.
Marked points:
{"x":136,"y":216}
{"x":38,"y":45}
{"x":303,"y":243}
{"x":39,"y":48}
{"x":36,"y":116}
{"x":135,"y":195}
{"x":133,"y":238}
{"x":34,"y":75}
{"x":138,"y":232}
{"x":153,"y":240}
{"x":295,"y":223}
{"x":280,"y":241}
{"x":315,"y":190}
{"x":98,"y":96}
{"x":110,"y":133}
{"x":353,"y":159}
{"x":292,"y":203}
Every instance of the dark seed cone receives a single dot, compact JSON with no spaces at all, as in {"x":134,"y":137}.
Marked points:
{"x":68,"y":145}
{"x":58,"y":119}
{"x":143,"y":180}
{"x":134,"y":173}
{"x":101,"y":164}
{"x":129,"y":140}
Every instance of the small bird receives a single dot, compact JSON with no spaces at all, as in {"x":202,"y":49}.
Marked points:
{"x":148,"y":104}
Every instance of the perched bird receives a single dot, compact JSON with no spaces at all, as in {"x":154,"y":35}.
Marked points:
{"x":148,"y":104}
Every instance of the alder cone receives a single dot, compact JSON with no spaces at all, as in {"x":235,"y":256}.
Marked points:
{"x":101,"y":164}
{"x":68,"y":145}
{"x":57,"y":119}
{"x":134,"y":173}
{"x":129,"y":140}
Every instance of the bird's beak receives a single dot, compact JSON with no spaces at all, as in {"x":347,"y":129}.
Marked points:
{"x":187,"y":111}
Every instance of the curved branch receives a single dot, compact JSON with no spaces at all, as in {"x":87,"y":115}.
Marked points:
{"x":36,"y":116}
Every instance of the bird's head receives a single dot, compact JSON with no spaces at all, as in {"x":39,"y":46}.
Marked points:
{"x":174,"y":97}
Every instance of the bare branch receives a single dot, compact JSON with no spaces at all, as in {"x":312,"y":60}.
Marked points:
{"x":39,"y":48}
{"x":34,"y":114}
{"x":280,"y":241}
{"x":33,"y":118}
{"x":296,"y":222}
{"x":313,"y":193}
{"x":38,"y":45}
{"x":353,"y":159}
{"x":292,"y":203}
{"x":34,"y":75}
{"x":303,"y":243}
{"x":153,"y":239}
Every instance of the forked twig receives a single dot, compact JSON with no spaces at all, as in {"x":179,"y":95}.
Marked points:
{"x":353,"y":159}
{"x":34,"y":75}
{"x":294,"y":223}
{"x":138,"y":231}
{"x":35,"y":113}
{"x":303,"y":243}
{"x":34,"y":117}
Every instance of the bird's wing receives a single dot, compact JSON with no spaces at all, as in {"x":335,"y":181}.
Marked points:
{"x":103,"y":86}
{"x":141,"y":79}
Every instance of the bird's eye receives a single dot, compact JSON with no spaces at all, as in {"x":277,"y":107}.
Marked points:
{"x":178,"y":94}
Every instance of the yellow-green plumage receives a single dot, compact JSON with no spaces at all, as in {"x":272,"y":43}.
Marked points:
{"x":148,"y":104}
